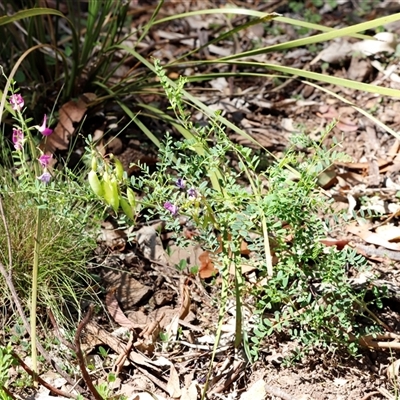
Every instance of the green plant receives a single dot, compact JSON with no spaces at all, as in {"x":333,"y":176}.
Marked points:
{"x":6,"y":362}
{"x":61,"y":48}
{"x":44,"y":240}
{"x":307,"y":291}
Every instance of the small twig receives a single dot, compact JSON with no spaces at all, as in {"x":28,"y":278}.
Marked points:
{"x":42,"y":351}
{"x":230,"y":377}
{"x":367,"y":396}
{"x":8,"y":393}
{"x":40,"y":380}
{"x":79,"y":354}
{"x":155,"y":380}
{"x":119,"y":363}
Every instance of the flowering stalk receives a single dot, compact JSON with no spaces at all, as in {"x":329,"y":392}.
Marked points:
{"x":40,"y":172}
{"x":35,"y":270}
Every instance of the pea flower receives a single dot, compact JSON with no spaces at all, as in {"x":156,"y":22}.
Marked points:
{"x":17,"y":102}
{"x":44,"y":160}
{"x":192,"y":193}
{"x":172,"y":208}
{"x":180,"y":182}
{"x":45,"y":177}
{"x":18,"y":139}
{"x":43,"y":129}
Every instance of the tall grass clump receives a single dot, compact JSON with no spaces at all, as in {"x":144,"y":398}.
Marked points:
{"x":46,"y":229}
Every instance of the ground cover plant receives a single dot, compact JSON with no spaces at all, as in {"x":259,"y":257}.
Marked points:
{"x":245,"y":208}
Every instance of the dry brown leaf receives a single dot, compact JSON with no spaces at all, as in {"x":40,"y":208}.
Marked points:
{"x":115,"y":311}
{"x":173,"y":386}
{"x":255,"y":392}
{"x":150,"y":244}
{"x":346,"y":125}
{"x":70,"y":113}
{"x":206,"y":267}
{"x":392,"y":371}
{"x":390,"y":232}
{"x":190,"y":393}
{"x":338,"y":243}
{"x":371,"y":237}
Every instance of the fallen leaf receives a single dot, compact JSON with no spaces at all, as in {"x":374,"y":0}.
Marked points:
{"x":145,"y":396}
{"x":190,"y":393}
{"x":206,"y":267}
{"x":392,"y":371}
{"x":255,"y":392}
{"x":150,"y":244}
{"x":339,"y":244}
{"x":346,"y":125}
{"x":390,"y":232}
{"x":70,"y":114}
{"x":173,"y":386}
{"x":385,"y":42}
{"x":115,"y":311}
{"x":371,"y":237}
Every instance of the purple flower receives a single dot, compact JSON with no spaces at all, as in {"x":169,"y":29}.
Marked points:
{"x":43,"y":129}
{"x":18,"y":139}
{"x":17,"y":102}
{"x":44,"y":159}
{"x":173,"y":209}
{"x":180,"y":183}
{"x":45,"y":177}
{"x":192,"y":193}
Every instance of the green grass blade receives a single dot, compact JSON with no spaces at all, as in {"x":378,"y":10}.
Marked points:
{"x":150,"y":23}
{"x":260,"y":15}
{"x":319,"y":77}
{"x":32,"y":12}
{"x":359,"y":109}
{"x":322,"y":37}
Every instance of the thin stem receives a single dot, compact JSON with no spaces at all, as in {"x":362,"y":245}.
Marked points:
{"x":9,"y":246}
{"x":34,"y":293}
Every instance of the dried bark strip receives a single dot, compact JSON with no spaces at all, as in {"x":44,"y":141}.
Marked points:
{"x":40,"y":380}
{"x":79,"y":354}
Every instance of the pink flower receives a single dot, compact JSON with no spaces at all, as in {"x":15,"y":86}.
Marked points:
{"x":44,"y":130}
{"x":18,"y":139}
{"x":45,"y":177}
{"x":17,"y":102}
{"x":173,"y":209}
{"x":44,"y":159}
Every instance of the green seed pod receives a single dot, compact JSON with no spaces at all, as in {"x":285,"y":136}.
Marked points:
{"x":94,"y":161}
{"x":106,"y":177}
{"x":131,"y":197}
{"x":95,"y":184}
{"x":126,"y":208}
{"x":111,"y":193}
{"x":119,"y":169}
